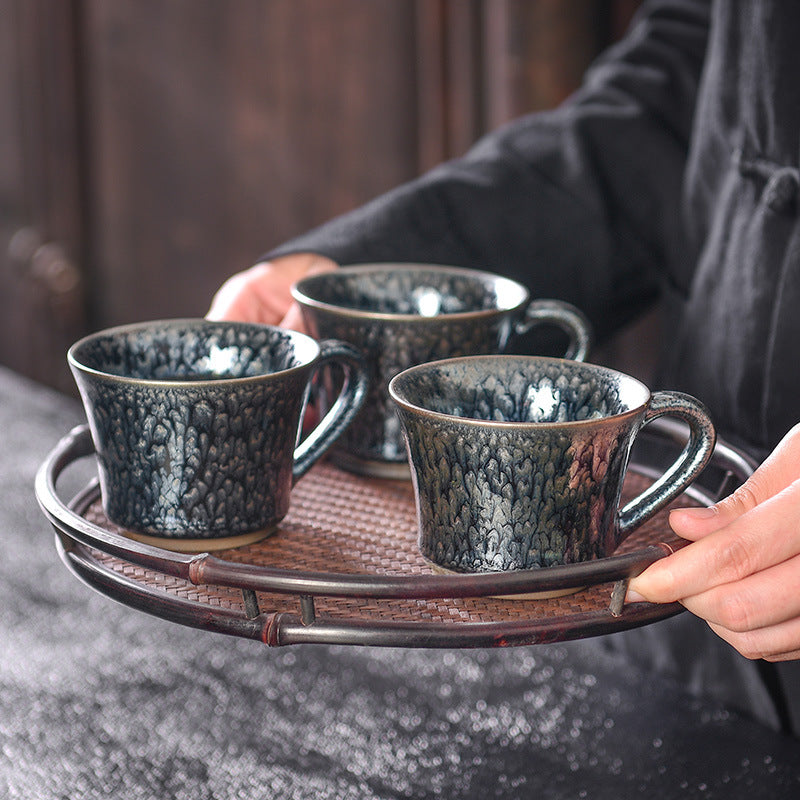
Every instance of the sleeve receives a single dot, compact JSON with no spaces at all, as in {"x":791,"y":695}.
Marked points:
{"x":581,"y":203}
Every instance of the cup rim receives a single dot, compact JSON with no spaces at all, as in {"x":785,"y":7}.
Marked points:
{"x":76,"y":364}
{"x":528,"y":424}
{"x":300,"y":295}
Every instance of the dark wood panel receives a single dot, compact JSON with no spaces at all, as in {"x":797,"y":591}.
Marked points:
{"x":149,"y":148}
{"x":536,"y":53}
{"x":219,"y":133}
{"x":483,"y":62}
{"x":449,"y":78}
{"x":41,"y":224}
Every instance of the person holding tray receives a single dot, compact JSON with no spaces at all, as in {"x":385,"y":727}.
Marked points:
{"x":670,"y":175}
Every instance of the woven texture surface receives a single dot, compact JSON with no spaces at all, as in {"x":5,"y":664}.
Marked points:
{"x":343,"y":523}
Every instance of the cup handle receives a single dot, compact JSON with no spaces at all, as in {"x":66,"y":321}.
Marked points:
{"x":565,"y":316}
{"x":351,"y":398}
{"x":687,"y":466}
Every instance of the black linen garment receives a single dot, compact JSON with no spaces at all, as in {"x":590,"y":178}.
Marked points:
{"x":671,"y":174}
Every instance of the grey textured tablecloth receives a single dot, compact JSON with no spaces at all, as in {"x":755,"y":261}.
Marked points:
{"x":98,"y":700}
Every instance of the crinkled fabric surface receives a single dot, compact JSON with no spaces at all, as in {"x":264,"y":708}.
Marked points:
{"x":98,"y":700}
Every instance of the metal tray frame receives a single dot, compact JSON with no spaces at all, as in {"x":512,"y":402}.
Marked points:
{"x":79,"y":541}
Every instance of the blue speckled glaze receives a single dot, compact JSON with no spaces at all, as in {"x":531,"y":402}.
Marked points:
{"x":518,"y":462}
{"x":399,"y":315}
{"x":195,"y":423}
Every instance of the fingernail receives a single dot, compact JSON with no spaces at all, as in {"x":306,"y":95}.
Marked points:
{"x":696,"y":512}
{"x":634,"y":597}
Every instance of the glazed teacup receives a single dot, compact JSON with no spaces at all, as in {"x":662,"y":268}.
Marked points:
{"x":518,"y":462}
{"x":195,"y":425}
{"x":399,"y":315}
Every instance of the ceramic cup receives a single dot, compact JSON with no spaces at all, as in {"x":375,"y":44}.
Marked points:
{"x":195,"y":424}
{"x":399,"y":315}
{"x":518,"y":461}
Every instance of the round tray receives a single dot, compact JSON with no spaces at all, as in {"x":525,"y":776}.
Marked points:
{"x":343,"y":566}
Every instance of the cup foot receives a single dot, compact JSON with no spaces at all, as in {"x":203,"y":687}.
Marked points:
{"x":393,"y":470}
{"x":545,"y":595}
{"x":201,"y":545}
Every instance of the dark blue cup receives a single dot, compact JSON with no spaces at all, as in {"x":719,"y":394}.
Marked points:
{"x":196,"y":424}
{"x":518,"y":462}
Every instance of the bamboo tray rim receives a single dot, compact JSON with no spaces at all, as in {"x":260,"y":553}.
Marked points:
{"x":86,"y":548}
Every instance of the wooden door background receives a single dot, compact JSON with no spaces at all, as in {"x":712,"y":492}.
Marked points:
{"x":150,"y":148}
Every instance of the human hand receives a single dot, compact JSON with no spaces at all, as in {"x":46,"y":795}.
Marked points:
{"x":263,"y":292}
{"x":741,"y":573}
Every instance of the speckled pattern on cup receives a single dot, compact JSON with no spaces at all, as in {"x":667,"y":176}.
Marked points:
{"x":195,"y":423}
{"x":518,"y":461}
{"x":400,"y":315}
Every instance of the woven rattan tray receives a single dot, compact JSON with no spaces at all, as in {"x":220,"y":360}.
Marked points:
{"x":343,"y":566}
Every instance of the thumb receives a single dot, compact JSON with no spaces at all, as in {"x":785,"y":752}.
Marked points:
{"x":777,"y":472}
{"x":294,"y":319}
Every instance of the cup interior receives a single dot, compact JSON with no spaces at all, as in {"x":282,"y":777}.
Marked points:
{"x":518,"y":389}
{"x":192,"y":350}
{"x":411,"y":290}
